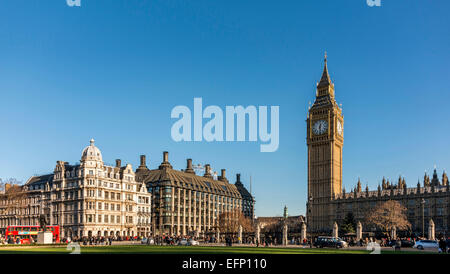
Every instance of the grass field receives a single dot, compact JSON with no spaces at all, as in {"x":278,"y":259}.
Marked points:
{"x":143,"y":249}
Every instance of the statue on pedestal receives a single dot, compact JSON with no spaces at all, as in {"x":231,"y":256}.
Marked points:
{"x":43,"y":222}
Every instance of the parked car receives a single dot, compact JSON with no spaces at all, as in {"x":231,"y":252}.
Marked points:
{"x":405,"y":243}
{"x":422,"y":244}
{"x":324,"y":241}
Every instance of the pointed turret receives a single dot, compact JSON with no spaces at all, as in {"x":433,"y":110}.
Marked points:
{"x":358,"y":186}
{"x":325,"y":80}
{"x":426,"y":180}
{"x":435,"y":180}
{"x":325,"y":87}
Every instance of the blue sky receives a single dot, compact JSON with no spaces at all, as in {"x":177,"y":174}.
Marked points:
{"x":113,"y":71}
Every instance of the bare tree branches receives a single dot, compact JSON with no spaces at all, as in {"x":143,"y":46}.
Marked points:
{"x":13,"y":197}
{"x":229,"y":222}
{"x":388,"y":215}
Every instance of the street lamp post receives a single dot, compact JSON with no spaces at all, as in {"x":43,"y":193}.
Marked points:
{"x":423,"y":217}
{"x":309,"y":217}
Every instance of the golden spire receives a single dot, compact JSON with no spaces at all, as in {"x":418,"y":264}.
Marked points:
{"x":325,"y":80}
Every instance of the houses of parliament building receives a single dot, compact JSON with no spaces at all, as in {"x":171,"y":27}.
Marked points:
{"x":328,"y":202}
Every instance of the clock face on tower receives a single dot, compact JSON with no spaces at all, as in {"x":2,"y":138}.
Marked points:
{"x":320,"y":127}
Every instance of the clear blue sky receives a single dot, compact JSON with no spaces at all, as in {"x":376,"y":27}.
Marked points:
{"x":113,"y":71}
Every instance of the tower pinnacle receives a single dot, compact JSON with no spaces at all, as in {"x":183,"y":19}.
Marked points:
{"x":325,"y":80}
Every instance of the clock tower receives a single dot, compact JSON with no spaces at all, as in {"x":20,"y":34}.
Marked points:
{"x":325,"y":140}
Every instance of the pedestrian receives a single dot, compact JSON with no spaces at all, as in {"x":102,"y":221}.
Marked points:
{"x":443,"y":245}
{"x":398,"y":244}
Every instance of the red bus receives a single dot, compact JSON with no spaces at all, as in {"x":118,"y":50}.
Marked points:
{"x":25,"y":233}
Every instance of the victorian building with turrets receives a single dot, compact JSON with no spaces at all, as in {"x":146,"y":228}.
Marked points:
{"x":328,"y":202}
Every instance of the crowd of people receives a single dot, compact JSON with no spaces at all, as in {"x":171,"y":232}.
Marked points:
{"x":265,"y":241}
{"x":9,"y":240}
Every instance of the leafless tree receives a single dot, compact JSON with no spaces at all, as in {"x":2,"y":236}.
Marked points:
{"x":388,"y":215}
{"x":13,"y":196}
{"x":229,"y":222}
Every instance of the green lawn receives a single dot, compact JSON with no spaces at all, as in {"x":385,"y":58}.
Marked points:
{"x":142,"y":249}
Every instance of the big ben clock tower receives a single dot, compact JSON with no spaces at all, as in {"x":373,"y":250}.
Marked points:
{"x":325,"y":140}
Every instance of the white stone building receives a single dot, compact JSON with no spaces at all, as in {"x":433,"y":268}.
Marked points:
{"x":88,"y":199}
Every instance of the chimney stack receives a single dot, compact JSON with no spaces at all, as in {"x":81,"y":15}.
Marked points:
{"x":189,"y":168}
{"x":238,"y":177}
{"x":207,"y":171}
{"x":222,"y":176}
{"x":165,"y":163}
{"x":143,"y":161}
{"x":143,"y":165}
{"x":118,"y":163}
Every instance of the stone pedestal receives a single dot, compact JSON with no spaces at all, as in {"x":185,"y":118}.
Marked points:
{"x":335,"y":230}
{"x":285,"y":234}
{"x":258,"y":232}
{"x":45,"y":238}
{"x":303,"y":232}
{"x":358,"y":231}
{"x":431,"y":231}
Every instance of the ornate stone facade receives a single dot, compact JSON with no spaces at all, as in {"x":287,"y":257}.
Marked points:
{"x":424,"y":202}
{"x":329,"y":203}
{"x":325,"y":139}
{"x":87,"y":199}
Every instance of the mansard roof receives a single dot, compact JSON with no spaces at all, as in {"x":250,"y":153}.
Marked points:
{"x":40,"y":179}
{"x":190,"y":181}
{"x":244,"y":192}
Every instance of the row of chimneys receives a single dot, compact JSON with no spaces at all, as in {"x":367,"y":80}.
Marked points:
{"x":189,"y":168}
